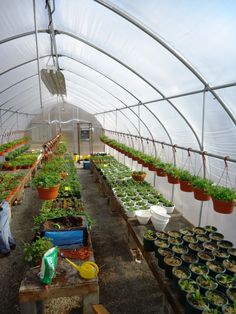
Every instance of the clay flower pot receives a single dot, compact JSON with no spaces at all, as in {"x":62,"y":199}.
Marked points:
{"x":161,"y":172}
{"x":48,"y":193}
{"x":186,"y":186}
{"x":223,"y":207}
{"x":200,"y":195}
{"x":171,"y":179}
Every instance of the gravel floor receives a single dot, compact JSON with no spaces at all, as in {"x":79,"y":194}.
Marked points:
{"x":12,"y":267}
{"x":126,"y":287}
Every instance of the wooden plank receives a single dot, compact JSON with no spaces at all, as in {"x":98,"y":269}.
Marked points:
{"x":99,"y":309}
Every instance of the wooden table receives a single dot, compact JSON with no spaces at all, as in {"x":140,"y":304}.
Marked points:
{"x":135,"y":233}
{"x":67,"y":283}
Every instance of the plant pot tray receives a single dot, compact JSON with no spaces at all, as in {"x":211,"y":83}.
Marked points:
{"x":66,"y":232}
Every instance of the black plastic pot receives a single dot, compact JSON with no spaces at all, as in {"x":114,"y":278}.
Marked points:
{"x":205,"y":256}
{"x":161,"y":253}
{"x":220,"y":255}
{"x":186,"y":231}
{"x":216,"y":236}
{"x":222,"y":296}
{"x":210,"y":229}
{"x":199,"y":230}
{"x":182,"y":291}
{"x":162,"y":235}
{"x":175,"y":241}
{"x":228,"y":308}
{"x":174,"y":234}
{"x":189,"y":259}
{"x":202,"y":238}
{"x":160,"y":244}
{"x":179,"y":250}
{"x":195,"y":247}
{"x":201,"y":280}
{"x":232,"y":253}
{"x":210,"y":246}
{"x":224,"y":286}
{"x":230,"y":266}
{"x":169,"y":263}
{"x":148,"y":244}
{"x":231,"y":294}
{"x":195,"y":272}
{"x":189,"y":239}
{"x":180,"y":272}
{"x":192,"y":308}
{"x":212,"y":268}
{"x":224,"y":244}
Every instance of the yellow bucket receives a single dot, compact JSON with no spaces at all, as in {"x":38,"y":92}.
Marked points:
{"x":76,"y":157}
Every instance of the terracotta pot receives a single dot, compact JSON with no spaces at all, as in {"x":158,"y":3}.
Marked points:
{"x":223,"y":207}
{"x":151,"y":167}
{"x":200,"y":195}
{"x":140,"y":161}
{"x":160,"y":172}
{"x":48,"y":194}
{"x":135,"y":158}
{"x":172,"y":179}
{"x":186,"y":186}
{"x":139,"y":177}
{"x":129,"y":155}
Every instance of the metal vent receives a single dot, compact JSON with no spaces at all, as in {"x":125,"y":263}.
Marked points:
{"x":54,"y":80}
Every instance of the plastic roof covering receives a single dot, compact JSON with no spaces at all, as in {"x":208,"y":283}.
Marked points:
{"x":111,"y":62}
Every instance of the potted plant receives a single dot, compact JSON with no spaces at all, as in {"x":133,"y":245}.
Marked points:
{"x":230,"y":266}
{"x":179,"y":250}
{"x":48,"y":184}
{"x":172,"y":173}
{"x":225,"y":281}
{"x":224,"y":244}
{"x":189,"y":239}
{"x":185,"y":180}
{"x":169,"y":263}
{"x":168,"y":205}
{"x":229,"y":308}
{"x":206,"y":283}
{"x":200,"y":186}
{"x":33,"y":253}
{"x":162,"y":253}
{"x":210,"y":229}
{"x":220,"y":255}
{"x":210,"y":246}
{"x":186,"y":286}
{"x":175,"y":241}
{"x":216,"y":298}
{"x":188,"y":259}
{"x":160,"y":168}
{"x":231,"y":294}
{"x":162,"y":235}
{"x":186,"y":231}
{"x":198,"y":269}
{"x":205,"y":256}
{"x":148,"y":240}
{"x":180,"y":272}
{"x":139,"y":175}
{"x":195,"y":247}
{"x":232,"y":253}
{"x":216,"y":236}
{"x":199,"y":230}
{"x":202,"y":238}
{"x":223,"y":198}
{"x":215,"y":268}
{"x":160,"y":244}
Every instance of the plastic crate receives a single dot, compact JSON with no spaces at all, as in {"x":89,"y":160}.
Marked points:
{"x":86,"y":164}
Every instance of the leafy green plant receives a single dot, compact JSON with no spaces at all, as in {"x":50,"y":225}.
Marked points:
{"x":47,"y":179}
{"x":33,"y":253}
{"x":185,"y":175}
{"x":201,"y":183}
{"x":221,"y":193}
{"x":150,"y":235}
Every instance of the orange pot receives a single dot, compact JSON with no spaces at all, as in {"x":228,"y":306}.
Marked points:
{"x":139,"y":177}
{"x":172,"y":179}
{"x":223,"y":207}
{"x":200,"y":195}
{"x":151,"y":167}
{"x":160,"y":172}
{"x":186,"y":186}
{"x":48,"y":194}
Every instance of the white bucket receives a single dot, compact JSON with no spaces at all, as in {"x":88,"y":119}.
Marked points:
{"x":143,"y":216}
{"x":159,"y":225}
{"x":169,"y":210}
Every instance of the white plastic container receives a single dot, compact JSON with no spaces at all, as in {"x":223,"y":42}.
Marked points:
{"x":143,"y":216}
{"x":169,"y":210}
{"x":159,"y":225}
{"x":130,"y":214}
{"x":159,"y":213}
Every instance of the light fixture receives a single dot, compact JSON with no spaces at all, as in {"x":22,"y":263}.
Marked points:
{"x":54,"y":80}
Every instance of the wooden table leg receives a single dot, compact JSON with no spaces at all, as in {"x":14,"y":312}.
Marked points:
{"x":89,"y":300}
{"x":32,"y":307}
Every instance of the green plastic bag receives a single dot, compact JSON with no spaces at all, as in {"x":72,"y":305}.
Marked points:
{"x":48,"y":266}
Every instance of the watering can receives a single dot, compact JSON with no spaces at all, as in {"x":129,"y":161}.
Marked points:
{"x":88,"y":270}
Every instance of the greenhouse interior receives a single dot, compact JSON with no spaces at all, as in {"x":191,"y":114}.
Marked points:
{"x":117,"y":157}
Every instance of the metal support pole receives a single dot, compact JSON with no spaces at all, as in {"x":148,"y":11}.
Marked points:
{"x":37,"y":54}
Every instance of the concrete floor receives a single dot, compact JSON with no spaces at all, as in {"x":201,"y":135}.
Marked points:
{"x":126,"y":287}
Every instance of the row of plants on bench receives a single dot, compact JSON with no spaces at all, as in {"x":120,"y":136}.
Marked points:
{"x":8,"y":184}
{"x":23,"y":161}
{"x":201,"y":264}
{"x":223,"y":198}
{"x":132,"y":194}
{"x":7,"y":147}
{"x":13,"y":154}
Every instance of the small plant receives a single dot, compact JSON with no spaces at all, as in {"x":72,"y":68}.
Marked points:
{"x":150,"y":235}
{"x":221,"y":193}
{"x":33,"y":253}
{"x":47,"y":179}
{"x":201,"y":183}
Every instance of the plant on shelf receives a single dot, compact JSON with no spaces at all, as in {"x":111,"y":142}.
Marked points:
{"x":223,"y":198}
{"x":33,"y":253}
{"x":48,"y":184}
{"x":139,"y":175}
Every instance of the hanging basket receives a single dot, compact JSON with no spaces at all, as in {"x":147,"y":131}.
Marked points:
{"x":48,"y":194}
{"x":139,"y":177}
{"x":186,"y":186}
{"x":223,"y":207}
{"x":171,"y":179}
{"x":151,"y":167}
{"x":161,"y":172}
{"x":200,"y":195}
{"x":135,"y":158}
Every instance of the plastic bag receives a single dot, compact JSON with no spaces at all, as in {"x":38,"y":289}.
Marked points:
{"x":6,"y":239}
{"x":48,"y":266}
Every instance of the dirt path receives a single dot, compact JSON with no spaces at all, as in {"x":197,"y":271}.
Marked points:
{"x":125,"y":286}
{"x":12,"y":267}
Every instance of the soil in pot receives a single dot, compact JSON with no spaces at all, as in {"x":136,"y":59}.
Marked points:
{"x":220,"y":255}
{"x":230,"y":266}
{"x":186,"y":286}
{"x":216,"y":236}
{"x":205,"y":256}
{"x":216,"y":298}
{"x":199,"y":230}
{"x":210,"y":246}
{"x":210,"y":229}
{"x":215,"y":268}
{"x":189,"y":239}
{"x":160,"y":244}
{"x":180,"y":272}
{"x":225,"y":281}
{"x":148,"y":240}
{"x":162,"y":253}
{"x":189,"y":259}
{"x":224,"y":244}
{"x":198,"y":269}
{"x":63,"y":223}
{"x":223,"y":207}
{"x":196,"y":303}
{"x":195,"y":247}
{"x":206,"y":283}
{"x":229,"y":309}
{"x":231,"y":294}
{"x":232,"y":253}
{"x":175,"y":241}
{"x":174,"y":234}
{"x":186,"y":231}
{"x":162,"y":235}
{"x":179,"y":250}
{"x":170,"y":262}
{"x":202,"y":238}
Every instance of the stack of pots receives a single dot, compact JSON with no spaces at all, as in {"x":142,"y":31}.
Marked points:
{"x":159,"y":217}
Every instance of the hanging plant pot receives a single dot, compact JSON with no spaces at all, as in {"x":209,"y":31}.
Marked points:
{"x":200,"y":195}
{"x":223,"y":207}
{"x":48,"y":194}
{"x":139,"y":175}
{"x":140,"y":161}
{"x":186,"y":186}
{"x":171,"y":179}
{"x":135,"y":158}
{"x":151,"y":167}
{"x":161,"y":172}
